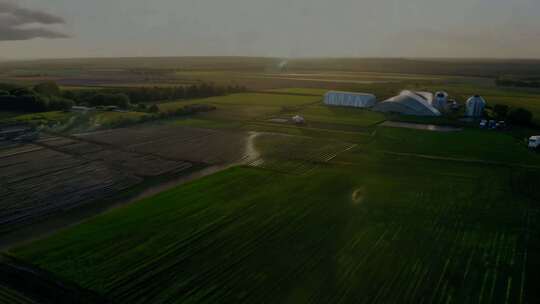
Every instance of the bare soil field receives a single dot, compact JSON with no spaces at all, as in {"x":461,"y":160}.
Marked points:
{"x":175,"y":142}
{"x":36,"y":182}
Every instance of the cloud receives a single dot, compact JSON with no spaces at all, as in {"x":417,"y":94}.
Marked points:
{"x":18,"y":23}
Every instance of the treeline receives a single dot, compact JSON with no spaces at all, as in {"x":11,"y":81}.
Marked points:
{"x":153,"y":94}
{"x":49,"y":97}
{"x":40,"y":98}
{"x":518,"y":82}
{"x":517,"y":116}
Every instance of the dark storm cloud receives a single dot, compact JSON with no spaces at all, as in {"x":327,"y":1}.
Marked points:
{"x":18,"y":23}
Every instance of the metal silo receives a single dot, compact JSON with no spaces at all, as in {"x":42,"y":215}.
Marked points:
{"x":440,"y":102}
{"x":475,"y":106}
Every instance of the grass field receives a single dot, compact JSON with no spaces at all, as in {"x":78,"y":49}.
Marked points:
{"x":300,"y":91}
{"x":248,"y":99}
{"x":341,"y":116}
{"x":46,"y":118}
{"x":469,"y":144}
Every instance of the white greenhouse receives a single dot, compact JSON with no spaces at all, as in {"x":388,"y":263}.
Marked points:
{"x":475,"y":106}
{"x":349,"y":99}
{"x":409,"y":103}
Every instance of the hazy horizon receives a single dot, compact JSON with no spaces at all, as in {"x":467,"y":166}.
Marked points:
{"x":490,"y":29}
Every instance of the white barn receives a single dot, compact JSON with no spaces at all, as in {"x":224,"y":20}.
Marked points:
{"x":349,"y":99}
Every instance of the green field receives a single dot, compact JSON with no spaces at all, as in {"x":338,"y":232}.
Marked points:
{"x":45,"y":118}
{"x":341,"y":116}
{"x":443,"y":232}
{"x":12,"y":296}
{"x":248,"y":99}
{"x":405,"y":216}
{"x":300,"y":91}
{"x":468,"y":144}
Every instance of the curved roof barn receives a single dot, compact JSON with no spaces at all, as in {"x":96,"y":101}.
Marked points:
{"x":409,"y":103}
{"x":349,"y":99}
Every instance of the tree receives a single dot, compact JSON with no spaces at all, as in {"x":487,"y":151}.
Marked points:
{"x":141,"y":107}
{"x":103,"y":99}
{"x":501,"y":111}
{"x":21,"y":92}
{"x":4,"y":93}
{"x":48,"y":89}
{"x":520,"y":116}
{"x":154,"y":109}
{"x":8,"y":86}
{"x":121,"y":100}
{"x":60,"y":104}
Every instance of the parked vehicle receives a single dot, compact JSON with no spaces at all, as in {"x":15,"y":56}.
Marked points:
{"x":483,"y":124}
{"x":534,"y":142}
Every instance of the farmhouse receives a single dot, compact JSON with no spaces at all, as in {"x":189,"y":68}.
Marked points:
{"x":349,"y":99}
{"x":409,"y":103}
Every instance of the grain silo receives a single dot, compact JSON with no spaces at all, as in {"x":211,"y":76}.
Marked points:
{"x":349,"y":99}
{"x":475,"y":106}
{"x":440,"y":102}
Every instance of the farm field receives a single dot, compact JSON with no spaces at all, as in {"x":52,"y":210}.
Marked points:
{"x":176,"y":142}
{"x":446,"y":232}
{"x":340,"y":209}
{"x":256,"y":99}
{"x":71,"y":122}
{"x":12,"y":296}
{"x":299,"y":91}
{"x":341,"y":116}
{"x":39,"y":182}
{"x":59,"y":173}
{"x":468,"y":144}
{"x":83,"y":173}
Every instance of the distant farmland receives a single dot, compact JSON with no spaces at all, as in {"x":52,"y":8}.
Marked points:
{"x":338,"y":209}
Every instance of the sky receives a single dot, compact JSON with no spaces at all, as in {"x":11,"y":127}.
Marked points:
{"x":269,"y":28}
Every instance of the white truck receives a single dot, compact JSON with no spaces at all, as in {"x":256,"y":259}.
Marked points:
{"x":534,"y":142}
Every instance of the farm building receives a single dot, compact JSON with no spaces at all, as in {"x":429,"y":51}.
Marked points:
{"x":297,"y":119}
{"x":440,"y":102}
{"x":475,"y":106}
{"x":409,"y":103}
{"x":349,"y":99}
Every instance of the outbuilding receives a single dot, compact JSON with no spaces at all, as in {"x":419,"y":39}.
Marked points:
{"x":409,"y":103}
{"x":349,"y":99}
{"x":297,"y":119}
